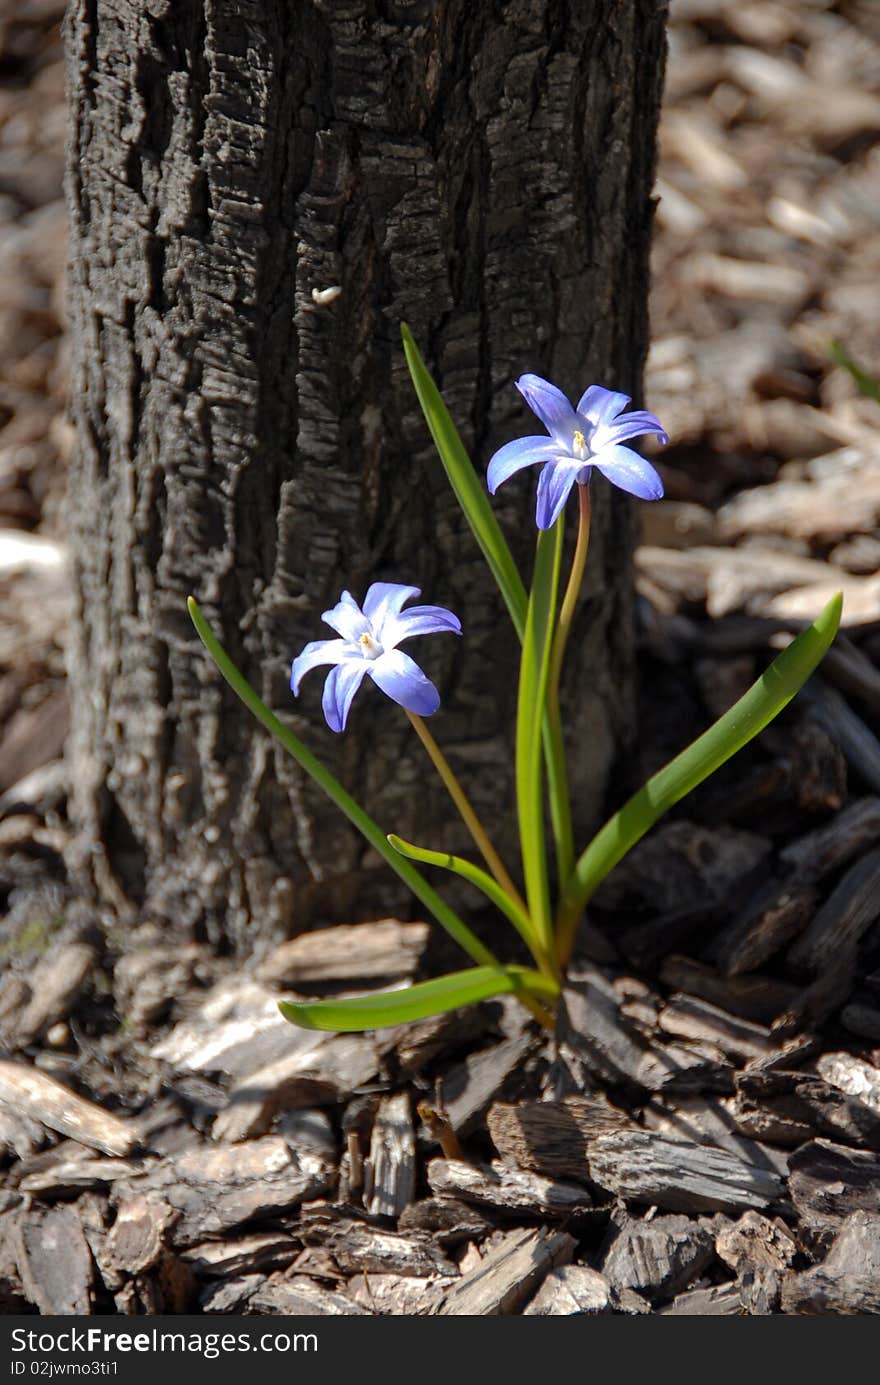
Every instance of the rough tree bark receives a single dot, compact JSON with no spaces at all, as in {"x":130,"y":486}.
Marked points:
{"x":482,"y":171}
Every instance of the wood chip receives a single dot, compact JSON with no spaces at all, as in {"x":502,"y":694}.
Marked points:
{"x":779,"y":915}
{"x":358,"y":1248}
{"x":509,"y":1275}
{"x":551,"y":1137}
{"x":358,"y":952}
{"x":844,"y":917}
{"x":469,"y":1087}
{"x":217,"y":1189}
{"x":853,"y":1076}
{"x":720,"y":1300}
{"x":55,"y":1262}
{"x":692,"y":1018}
{"x":659,"y":1258}
{"x":394,"y":1294}
{"x":829,"y":1181}
{"x":642,"y":1167}
{"x":56,"y":983}
{"x":314,"y":1074}
{"x":390,"y":1171}
{"x":755,"y":997}
{"x":30,"y":1093}
{"x":760,"y":1252}
{"x":509,"y":1190}
{"x":848,"y":1280}
{"x":568,"y":1290}
{"x":260,"y":1253}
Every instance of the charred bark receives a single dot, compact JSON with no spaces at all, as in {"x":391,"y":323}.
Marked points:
{"x":480,"y":171}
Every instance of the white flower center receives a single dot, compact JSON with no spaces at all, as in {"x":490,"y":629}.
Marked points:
{"x":370,"y":648}
{"x":579,"y":446}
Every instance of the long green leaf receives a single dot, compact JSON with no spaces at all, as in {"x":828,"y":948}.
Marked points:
{"x":417,"y":1002}
{"x":483,"y":881}
{"x":764,"y":700}
{"x":471,"y":494}
{"x":533,"y":676}
{"x":344,"y":802}
{"x":469,"y":489}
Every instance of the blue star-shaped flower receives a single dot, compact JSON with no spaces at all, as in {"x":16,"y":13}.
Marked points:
{"x":369,"y":646}
{"x":590,"y":436}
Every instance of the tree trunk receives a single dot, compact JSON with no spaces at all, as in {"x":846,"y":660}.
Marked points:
{"x":482,"y":172}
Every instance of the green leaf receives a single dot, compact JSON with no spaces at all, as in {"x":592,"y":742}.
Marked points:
{"x":866,"y":384}
{"x":417,"y":1002}
{"x":468,"y":486}
{"x":344,"y":802}
{"x":475,"y":876}
{"x":533,"y":676}
{"x":764,"y":700}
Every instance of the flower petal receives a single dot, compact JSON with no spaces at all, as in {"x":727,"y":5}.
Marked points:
{"x":554,"y":488}
{"x":346,"y":618}
{"x":599,"y":405}
{"x":403,"y":681}
{"x":385,"y":599}
{"x":626,"y":469}
{"x":419,"y":620}
{"x":630,"y":426}
{"x":551,"y":406}
{"x":339,"y":689}
{"x":318,"y":652}
{"x":513,"y":456}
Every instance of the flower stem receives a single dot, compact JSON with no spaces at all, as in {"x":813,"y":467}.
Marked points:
{"x":569,"y":601}
{"x":469,"y":817}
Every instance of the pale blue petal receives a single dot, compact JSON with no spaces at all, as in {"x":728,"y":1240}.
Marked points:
{"x":403,"y":681}
{"x":598,"y":405}
{"x":318,"y":652}
{"x":626,"y":469}
{"x":347,"y":619}
{"x":632,"y":426}
{"x":339,"y":690}
{"x":554,"y":488}
{"x":551,"y":406}
{"x":513,"y":456}
{"x":419,"y":620}
{"x":385,"y":599}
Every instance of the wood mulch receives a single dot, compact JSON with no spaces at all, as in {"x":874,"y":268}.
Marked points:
{"x":704,"y":1136}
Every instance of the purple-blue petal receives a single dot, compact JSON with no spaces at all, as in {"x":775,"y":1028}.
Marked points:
{"x":317,"y":653}
{"x":346,"y":618}
{"x":339,"y":690}
{"x":403,"y":681}
{"x":633,"y":426}
{"x":419,"y":620}
{"x":626,"y":469}
{"x":385,"y":599}
{"x":551,"y":406}
{"x":554,"y":488}
{"x":513,"y":456}
{"x":598,"y":405}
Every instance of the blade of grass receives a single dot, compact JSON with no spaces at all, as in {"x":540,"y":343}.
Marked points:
{"x":418,"y":1002}
{"x":484,"y":882}
{"x":533,"y":678}
{"x":420,"y":887}
{"x":467,"y":485}
{"x":765,"y":699}
{"x":866,"y":384}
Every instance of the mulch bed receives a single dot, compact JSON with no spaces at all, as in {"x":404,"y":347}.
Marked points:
{"x":704,"y":1135}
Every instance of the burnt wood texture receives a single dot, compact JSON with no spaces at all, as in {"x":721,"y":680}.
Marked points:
{"x":482,"y":172}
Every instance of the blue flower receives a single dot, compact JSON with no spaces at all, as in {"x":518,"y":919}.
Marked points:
{"x":590,"y":436}
{"x":369,"y":645}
